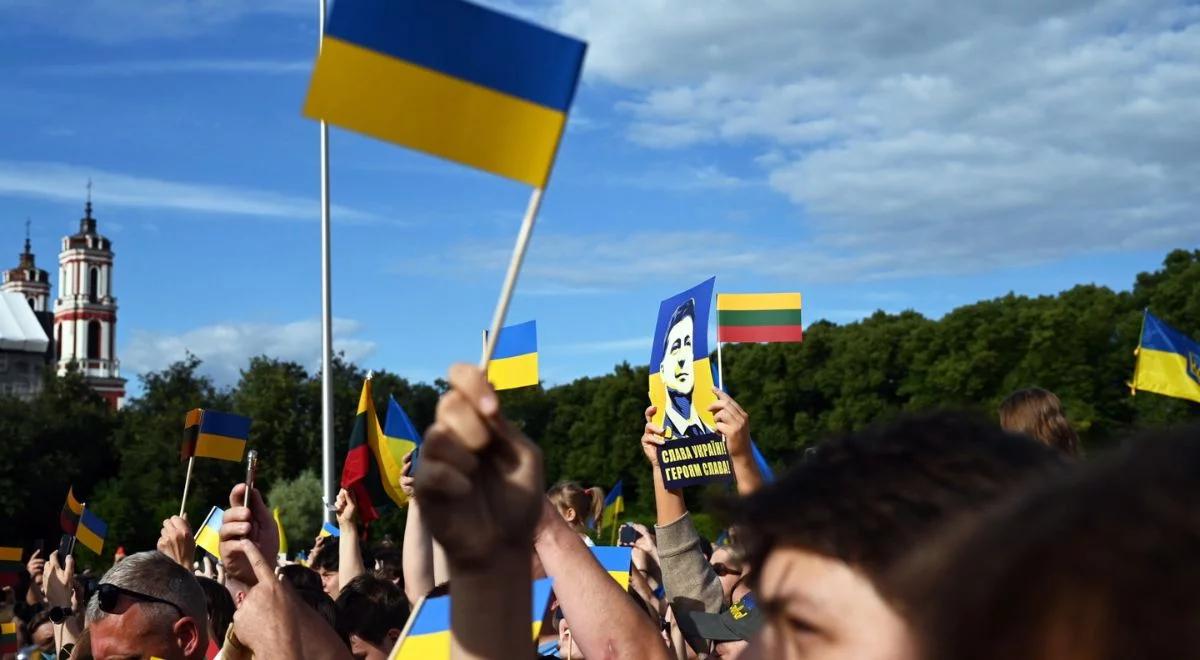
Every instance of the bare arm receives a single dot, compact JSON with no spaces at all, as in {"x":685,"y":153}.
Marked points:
{"x":605,"y":622}
{"x":350,"y":564}
{"x":417,"y":557}
{"x":668,"y":504}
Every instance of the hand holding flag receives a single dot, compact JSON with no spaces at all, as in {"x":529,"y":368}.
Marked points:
{"x":57,"y":580}
{"x":254,"y":524}
{"x":175,"y":541}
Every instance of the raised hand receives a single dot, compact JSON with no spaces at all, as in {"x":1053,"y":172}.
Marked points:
{"x":175,"y":540}
{"x":57,"y":579}
{"x":35,"y":567}
{"x":347,"y":510}
{"x":406,"y":480}
{"x":480,"y":482}
{"x":732,"y":422}
{"x":652,"y":438}
{"x":253,"y":523}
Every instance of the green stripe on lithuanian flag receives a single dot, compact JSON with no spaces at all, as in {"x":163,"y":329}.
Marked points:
{"x":8,"y":637}
{"x":759,"y":317}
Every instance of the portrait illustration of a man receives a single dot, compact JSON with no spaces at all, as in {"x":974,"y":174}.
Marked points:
{"x":678,"y":374}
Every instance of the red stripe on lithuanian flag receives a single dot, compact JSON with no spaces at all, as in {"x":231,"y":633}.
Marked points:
{"x":370,"y":473}
{"x":759,"y":317}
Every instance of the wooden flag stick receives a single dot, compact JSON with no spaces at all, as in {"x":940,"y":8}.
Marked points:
{"x":720,"y":369}
{"x":510,"y":278}
{"x":187,"y":481}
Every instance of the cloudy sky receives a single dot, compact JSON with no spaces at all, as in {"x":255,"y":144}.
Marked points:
{"x":871,"y":154}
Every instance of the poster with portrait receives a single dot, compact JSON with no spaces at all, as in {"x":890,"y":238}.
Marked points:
{"x":681,"y":388}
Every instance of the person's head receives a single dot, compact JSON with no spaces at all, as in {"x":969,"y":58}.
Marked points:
{"x":1097,"y":565}
{"x":371,"y":613}
{"x":148,"y":605}
{"x":820,"y":541}
{"x":1039,"y":414}
{"x":326,"y":566}
{"x":729,"y":563}
{"x":677,"y":371}
{"x":219,"y":606}
{"x":301,"y":577}
{"x":41,"y":631}
{"x":389,"y":564}
{"x":579,"y":506}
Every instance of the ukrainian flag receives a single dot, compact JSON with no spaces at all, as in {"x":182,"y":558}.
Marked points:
{"x":614,"y":504}
{"x":615,"y":560}
{"x":208,"y":536}
{"x":399,"y":438}
{"x":91,"y":531}
{"x":449,"y":78}
{"x":429,"y":633}
{"x":515,"y":360}
{"x":283,"y":548}
{"x":1168,"y":361}
{"x":330,"y":529}
{"x":212,"y":434}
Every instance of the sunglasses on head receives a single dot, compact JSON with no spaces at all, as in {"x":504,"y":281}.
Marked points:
{"x":109,"y":595}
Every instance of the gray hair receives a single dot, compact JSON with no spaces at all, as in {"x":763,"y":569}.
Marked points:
{"x":154,"y":574}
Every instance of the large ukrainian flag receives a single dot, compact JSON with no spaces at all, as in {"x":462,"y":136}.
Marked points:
{"x":428,"y":636}
{"x":449,"y":78}
{"x":1168,"y":361}
{"x":515,"y":360}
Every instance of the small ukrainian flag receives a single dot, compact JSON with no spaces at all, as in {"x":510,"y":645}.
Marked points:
{"x":428,"y":637}
{"x":515,"y":361}
{"x":1168,"y":361}
{"x":330,"y":529}
{"x":449,"y":78}
{"x":615,"y":560}
{"x":212,"y":434}
{"x":208,"y":536}
{"x":91,"y":531}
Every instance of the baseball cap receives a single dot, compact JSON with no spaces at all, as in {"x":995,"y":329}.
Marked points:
{"x":740,"y":621}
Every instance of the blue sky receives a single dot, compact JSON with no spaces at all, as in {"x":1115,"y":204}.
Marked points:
{"x":871,"y":155}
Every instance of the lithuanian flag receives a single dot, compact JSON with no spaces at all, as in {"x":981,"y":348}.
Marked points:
{"x":10,"y":567}
{"x":370,"y":473}
{"x":758,"y":317}
{"x":72,"y":509}
{"x":8,"y":637}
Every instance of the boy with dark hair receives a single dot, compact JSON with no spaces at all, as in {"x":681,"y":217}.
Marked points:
{"x":821,"y":541}
{"x":371,"y":613}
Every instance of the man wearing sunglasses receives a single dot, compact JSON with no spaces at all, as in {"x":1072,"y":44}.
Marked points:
{"x":148,"y":605}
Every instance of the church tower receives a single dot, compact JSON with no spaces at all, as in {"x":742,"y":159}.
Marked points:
{"x":85,"y":313}
{"x":29,"y":280}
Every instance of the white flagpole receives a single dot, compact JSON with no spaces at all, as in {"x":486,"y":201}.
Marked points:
{"x":187,"y":481}
{"x":720,"y":369}
{"x":510,"y":278}
{"x":327,"y":463}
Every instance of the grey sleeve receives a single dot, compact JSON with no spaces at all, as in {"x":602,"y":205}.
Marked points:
{"x":688,"y":578}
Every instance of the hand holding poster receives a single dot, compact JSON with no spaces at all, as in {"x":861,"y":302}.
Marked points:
{"x":681,"y":388}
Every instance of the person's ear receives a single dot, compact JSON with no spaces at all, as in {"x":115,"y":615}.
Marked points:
{"x":188,"y":634}
{"x":570,"y":515}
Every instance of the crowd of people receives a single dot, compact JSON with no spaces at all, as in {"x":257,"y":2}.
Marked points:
{"x":933,"y":536}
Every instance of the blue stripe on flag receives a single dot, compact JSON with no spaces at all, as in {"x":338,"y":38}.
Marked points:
{"x":398,"y":425}
{"x":230,"y":426}
{"x":1158,"y":336}
{"x":90,"y":521}
{"x":514,"y":340}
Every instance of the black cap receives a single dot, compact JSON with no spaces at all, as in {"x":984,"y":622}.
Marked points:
{"x":740,"y":621}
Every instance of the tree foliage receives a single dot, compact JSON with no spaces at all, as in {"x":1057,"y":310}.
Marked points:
{"x":1078,"y":343}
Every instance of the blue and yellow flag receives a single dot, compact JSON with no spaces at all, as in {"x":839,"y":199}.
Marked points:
{"x":208,"y":536}
{"x":399,"y":436}
{"x":330,"y":529}
{"x":515,"y":361}
{"x":449,"y":78}
{"x":91,"y":531}
{"x":283,"y":549}
{"x":615,"y":560}
{"x":614,"y":504}
{"x":212,"y":434}
{"x":1168,"y":361}
{"x":429,"y":636}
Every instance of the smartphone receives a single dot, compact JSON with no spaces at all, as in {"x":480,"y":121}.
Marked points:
{"x":412,"y":466}
{"x":66,"y":546}
{"x":39,"y":545}
{"x":251,"y":471}
{"x":628,"y":535}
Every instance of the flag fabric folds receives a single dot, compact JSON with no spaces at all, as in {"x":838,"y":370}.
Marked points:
{"x":72,"y":509}
{"x":330,"y":529}
{"x":212,"y":434}
{"x":370,"y":472}
{"x":429,"y":635}
{"x":283,"y":549}
{"x":399,"y":434}
{"x":8,"y":637}
{"x":10,"y":567}
{"x":764,"y":468}
{"x":515,"y":361}
{"x":1168,"y":361}
{"x":208,"y":536}
{"x":449,"y":78}
{"x":615,"y":560}
{"x":91,"y":531}
{"x":614,"y":504}
{"x":759,"y":317}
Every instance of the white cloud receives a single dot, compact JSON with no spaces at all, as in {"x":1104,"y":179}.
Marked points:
{"x":174,"y":67}
{"x":65,"y":182}
{"x":226,"y":348}
{"x":928,"y":137}
{"x":601,"y":346}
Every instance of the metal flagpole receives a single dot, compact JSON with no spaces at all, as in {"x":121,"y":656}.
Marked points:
{"x":327,"y":476}
{"x":510,"y":278}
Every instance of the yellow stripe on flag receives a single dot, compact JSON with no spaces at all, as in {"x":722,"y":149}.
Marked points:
{"x":72,"y":503}
{"x":219,"y":446}
{"x":509,"y":373}
{"x":209,"y":539}
{"x":757,"y":301}
{"x":1165,"y":373}
{"x":8,"y":628}
{"x":89,"y":539}
{"x":10,"y":554}
{"x":368,"y":92}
